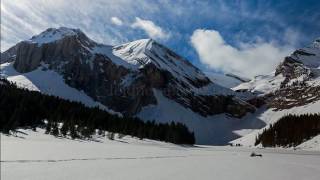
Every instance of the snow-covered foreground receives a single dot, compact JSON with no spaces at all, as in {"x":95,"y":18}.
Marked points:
{"x":35,"y":155}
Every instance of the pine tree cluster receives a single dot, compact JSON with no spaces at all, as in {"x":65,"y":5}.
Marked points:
{"x":290,"y":130}
{"x":24,"y":108}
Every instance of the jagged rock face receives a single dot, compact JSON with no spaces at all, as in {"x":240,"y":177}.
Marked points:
{"x":257,"y":101}
{"x":295,"y":82}
{"x":299,"y":87}
{"x":294,"y":96}
{"x":292,"y":69}
{"x":9,"y":55}
{"x":67,"y":50}
{"x":303,"y":63}
{"x":28,"y":57}
{"x":123,"y":77}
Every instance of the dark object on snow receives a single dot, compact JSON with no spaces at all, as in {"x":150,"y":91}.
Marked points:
{"x":253,"y":154}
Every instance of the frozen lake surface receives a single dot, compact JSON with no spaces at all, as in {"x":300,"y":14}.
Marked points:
{"x":36,"y":156}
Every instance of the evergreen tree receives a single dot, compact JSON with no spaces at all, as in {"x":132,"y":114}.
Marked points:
{"x":290,"y":130}
{"x":73,"y":132}
{"x":48,"y":127}
{"x":55,"y":129}
{"x":64,"y":129}
{"x":111,"y":135}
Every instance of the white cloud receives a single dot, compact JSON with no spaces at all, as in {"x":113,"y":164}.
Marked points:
{"x":116,"y":21}
{"x":150,"y":28}
{"x":20,"y":20}
{"x":247,"y":60}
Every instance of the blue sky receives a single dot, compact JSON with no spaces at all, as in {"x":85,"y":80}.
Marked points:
{"x":217,"y":35}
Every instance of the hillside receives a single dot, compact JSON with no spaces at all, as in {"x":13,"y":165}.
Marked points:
{"x":63,"y":118}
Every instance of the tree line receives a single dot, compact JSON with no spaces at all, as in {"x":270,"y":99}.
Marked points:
{"x":60,"y":117}
{"x":290,"y":130}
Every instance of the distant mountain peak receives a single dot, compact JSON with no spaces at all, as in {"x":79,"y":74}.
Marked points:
{"x":302,"y":65}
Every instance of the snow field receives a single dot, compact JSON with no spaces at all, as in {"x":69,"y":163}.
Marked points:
{"x":37,"y":156}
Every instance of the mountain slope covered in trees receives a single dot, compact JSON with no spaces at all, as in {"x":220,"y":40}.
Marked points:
{"x":24,"y":108}
{"x":290,"y":130}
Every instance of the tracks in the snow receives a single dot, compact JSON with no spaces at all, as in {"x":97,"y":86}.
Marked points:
{"x":90,"y":159}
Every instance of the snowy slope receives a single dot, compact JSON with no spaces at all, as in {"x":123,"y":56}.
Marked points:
{"x":262,"y":84}
{"x":208,"y":130}
{"x":48,"y":82}
{"x":36,"y":156}
{"x":269,"y":116}
{"x":226,"y":80}
{"x":142,"y":52}
{"x":217,"y":129}
{"x":51,"y":35}
{"x":311,"y":145}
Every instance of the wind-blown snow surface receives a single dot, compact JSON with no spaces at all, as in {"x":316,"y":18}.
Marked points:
{"x":36,"y":156}
{"x":47,"y":82}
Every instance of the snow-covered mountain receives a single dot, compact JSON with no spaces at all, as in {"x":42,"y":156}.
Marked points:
{"x":302,"y":66}
{"x":294,"y":88}
{"x":147,"y":80}
{"x":295,"y":82}
{"x":141,"y":78}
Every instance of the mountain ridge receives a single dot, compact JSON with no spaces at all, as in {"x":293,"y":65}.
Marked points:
{"x":132,"y":79}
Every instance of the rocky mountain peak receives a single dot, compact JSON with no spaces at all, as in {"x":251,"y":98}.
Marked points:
{"x":52,"y":35}
{"x":146,"y":52}
{"x":294,"y":83}
{"x":302,"y":65}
